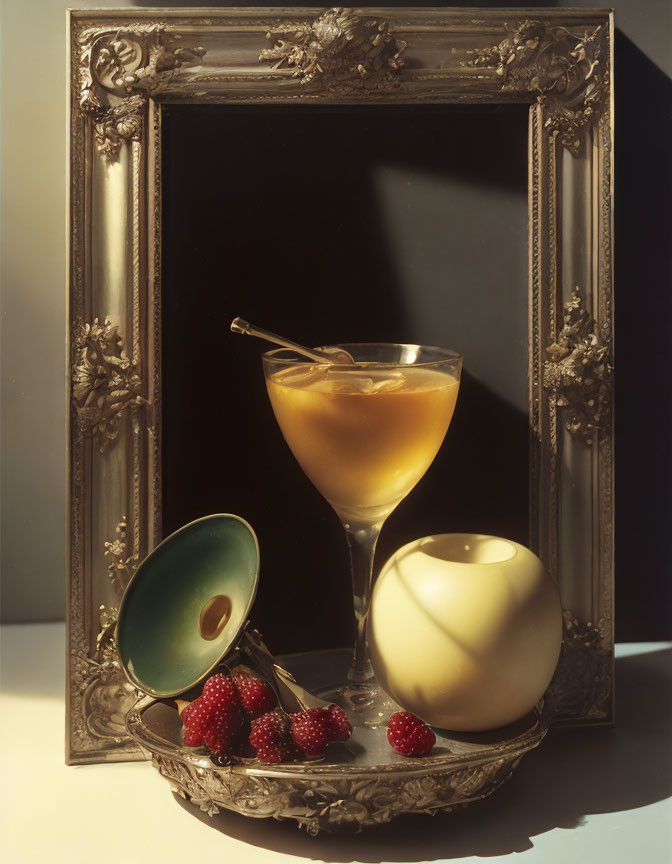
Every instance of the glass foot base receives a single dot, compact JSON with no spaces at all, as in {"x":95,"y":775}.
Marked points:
{"x":365,"y":704}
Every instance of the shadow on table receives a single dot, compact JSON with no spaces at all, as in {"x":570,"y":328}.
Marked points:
{"x":575,"y":773}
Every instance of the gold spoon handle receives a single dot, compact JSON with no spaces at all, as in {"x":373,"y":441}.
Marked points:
{"x":332,"y":356}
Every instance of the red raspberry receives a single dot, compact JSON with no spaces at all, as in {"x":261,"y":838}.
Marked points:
{"x":340,"y":726}
{"x":312,"y":730}
{"x":256,"y":696}
{"x":188,"y":710}
{"x":195,"y":718}
{"x":223,"y":729}
{"x":271,"y":738}
{"x":409,"y":735}
{"x":221,"y":688}
{"x":215,"y":718}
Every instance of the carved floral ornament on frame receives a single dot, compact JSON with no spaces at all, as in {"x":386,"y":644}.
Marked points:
{"x":123,"y":66}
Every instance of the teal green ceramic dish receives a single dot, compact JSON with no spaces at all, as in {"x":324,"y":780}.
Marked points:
{"x":187,"y":604}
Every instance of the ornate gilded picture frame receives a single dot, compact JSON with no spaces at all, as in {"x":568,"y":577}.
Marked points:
{"x":125,"y":65}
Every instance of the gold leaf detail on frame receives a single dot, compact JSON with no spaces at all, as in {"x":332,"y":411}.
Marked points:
{"x":121,"y":566}
{"x":120,"y":122}
{"x":340,"y":50}
{"x":117,"y":71}
{"x":581,"y":686}
{"x":567,"y":73}
{"x":578,"y":375}
{"x":104,"y":381}
{"x":104,"y":695}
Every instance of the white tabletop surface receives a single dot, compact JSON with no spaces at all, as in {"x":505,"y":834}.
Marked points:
{"x":587,"y":795}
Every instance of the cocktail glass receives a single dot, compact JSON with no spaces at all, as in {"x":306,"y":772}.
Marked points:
{"x":364,"y":434}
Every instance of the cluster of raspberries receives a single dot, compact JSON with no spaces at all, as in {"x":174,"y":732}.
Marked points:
{"x":234,"y":715}
{"x":237,"y":715}
{"x":279,"y":737}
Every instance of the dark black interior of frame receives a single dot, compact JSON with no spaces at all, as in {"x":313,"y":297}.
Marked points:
{"x":335,"y":223}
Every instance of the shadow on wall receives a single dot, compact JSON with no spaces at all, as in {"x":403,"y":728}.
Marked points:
{"x":619,"y":769}
{"x":643,"y":312}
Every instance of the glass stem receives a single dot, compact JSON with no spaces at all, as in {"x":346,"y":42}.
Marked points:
{"x":362,"y":541}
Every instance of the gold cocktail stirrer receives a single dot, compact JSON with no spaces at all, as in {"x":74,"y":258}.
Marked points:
{"x":322,"y":355}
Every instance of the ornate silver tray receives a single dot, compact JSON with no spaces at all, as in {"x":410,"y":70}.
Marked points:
{"x":363,"y":782}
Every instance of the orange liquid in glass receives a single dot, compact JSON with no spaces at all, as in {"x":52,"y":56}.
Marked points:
{"x":364,"y":436}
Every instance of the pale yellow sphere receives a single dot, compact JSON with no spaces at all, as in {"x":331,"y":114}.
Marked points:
{"x":465,"y":630}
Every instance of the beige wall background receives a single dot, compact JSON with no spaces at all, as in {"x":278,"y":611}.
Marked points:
{"x":33,"y":321}
{"x":33,"y":308}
